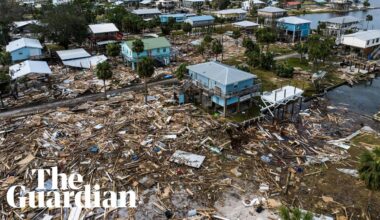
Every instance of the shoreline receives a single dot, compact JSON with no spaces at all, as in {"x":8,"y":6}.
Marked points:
{"x":332,"y":11}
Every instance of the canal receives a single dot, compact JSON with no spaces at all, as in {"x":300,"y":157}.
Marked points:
{"x":375,"y":24}
{"x":362,"y":98}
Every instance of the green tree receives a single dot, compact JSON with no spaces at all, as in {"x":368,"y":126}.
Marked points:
{"x":301,"y":48}
{"x":201,"y":48}
{"x":236,"y":34}
{"x":9,"y":11}
{"x":181,"y":71}
{"x":220,"y":4}
{"x":4,"y":85}
{"x":207,"y":39}
{"x":113,"y":49}
{"x":284,"y":70}
{"x":216,"y":48}
{"x":64,"y":24}
{"x":249,"y":45}
{"x":145,"y":71}
{"x":368,"y":18}
{"x":104,"y":72}
{"x":294,"y":214}
{"x":5,"y":58}
{"x":186,"y":27}
{"x":116,"y":15}
{"x":267,"y":61}
{"x":366,"y":3}
{"x":369,"y":170}
{"x":319,"y":49}
{"x":266,"y":36}
{"x":138,"y":47}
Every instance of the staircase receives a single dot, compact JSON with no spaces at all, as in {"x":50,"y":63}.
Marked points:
{"x":376,"y":53}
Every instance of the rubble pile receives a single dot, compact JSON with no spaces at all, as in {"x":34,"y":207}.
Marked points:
{"x":177,"y":158}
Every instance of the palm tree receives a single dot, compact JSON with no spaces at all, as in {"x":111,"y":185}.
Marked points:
{"x":181,"y":71}
{"x":368,"y":19}
{"x":138,"y":47}
{"x":145,"y":69}
{"x":104,"y":72}
{"x":294,"y":214}
{"x":235,"y":35}
{"x":5,"y":79}
{"x":369,"y":170}
{"x":216,"y":48}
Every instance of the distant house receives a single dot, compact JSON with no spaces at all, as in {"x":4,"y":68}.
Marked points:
{"x":177,"y":17}
{"x":246,"y":25}
{"x":166,"y":4}
{"x":341,"y":4}
{"x":29,"y":67}
{"x":270,"y":14}
{"x":147,"y":13}
{"x":80,"y":58}
{"x":247,"y":5}
{"x":340,"y":25}
{"x":195,"y":4}
{"x":224,"y":86}
{"x":24,"y":49}
{"x":295,"y":27}
{"x":232,"y":14}
{"x":368,"y":42}
{"x":158,"y":48}
{"x":200,"y":21}
{"x":59,"y":2}
{"x":293,"y":5}
{"x":23,"y":28}
{"x":105,"y":33}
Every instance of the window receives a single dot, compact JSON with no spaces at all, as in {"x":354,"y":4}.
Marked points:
{"x":164,"y":50}
{"x":367,"y":42}
{"x":158,"y":50}
{"x":377,"y":40}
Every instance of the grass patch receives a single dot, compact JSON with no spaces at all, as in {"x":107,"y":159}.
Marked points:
{"x":280,"y":49}
{"x":366,"y":140}
{"x":296,"y":62}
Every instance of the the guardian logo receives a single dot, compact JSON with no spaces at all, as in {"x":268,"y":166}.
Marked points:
{"x":64,"y":191}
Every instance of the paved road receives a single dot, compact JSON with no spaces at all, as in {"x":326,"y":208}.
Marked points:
{"x":287,"y":56}
{"x":76,"y":101}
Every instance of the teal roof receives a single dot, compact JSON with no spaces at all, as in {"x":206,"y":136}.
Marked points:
{"x":151,"y":43}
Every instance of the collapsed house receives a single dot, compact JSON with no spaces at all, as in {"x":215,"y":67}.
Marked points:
{"x":80,"y":58}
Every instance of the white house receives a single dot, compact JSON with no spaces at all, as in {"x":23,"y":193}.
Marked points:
{"x":233,"y":14}
{"x":29,"y":67}
{"x":58,"y":2}
{"x":247,"y":5}
{"x":362,"y":39}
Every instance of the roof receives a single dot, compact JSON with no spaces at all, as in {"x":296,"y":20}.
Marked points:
{"x":174,"y":15}
{"x":73,"y":54}
{"x":103,"y":28}
{"x":146,"y":2}
{"x":365,"y":35}
{"x":19,"y":24}
{"x":293,"y":3}
{"x":201,"y":18}
{"x":145,"y":11}
{"x":271,"y":9}
{"x":220,"y":73}
{"x":245,"y":24}
{"x":232,"y":11}
{"x":342,"y":20}
{"x":257,"y":2}
{"x":21,"y":43}
{"x":29,"y":67}
{"x":282,"y":94}
{"x":293,"y":20}
{"x":85,"y":62}
{"x":151,"y":43}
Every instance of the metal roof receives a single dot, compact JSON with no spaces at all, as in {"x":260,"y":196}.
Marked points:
{"x":232,"y":11}
{"x":21,"y":43}
{"x":73,"y":54}
{"x":29,"y":67}
{"x":221,"y":73}
{"x":365,"y":35}
{"x":19,"y":24}
{"x":342,"y":20}
{"x":293,"y":20}
{"x":85,"y":62}
{"x":201,"y":18}
{"x":103,"y":28}
{"x":271,"y":9}
{"x":245,"y":24}
{"x":145,"y":11}
{"x":151,"y":43}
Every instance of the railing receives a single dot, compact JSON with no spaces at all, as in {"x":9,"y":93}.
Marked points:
{"x":213,"y":91}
